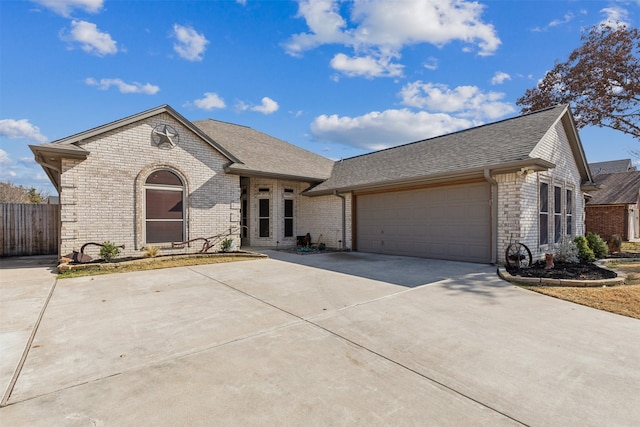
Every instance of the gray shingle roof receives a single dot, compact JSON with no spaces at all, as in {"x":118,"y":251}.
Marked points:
{"x":262,"y":154}
{"x":486,"y":146}
{"x":620,"y":188}
{"x":612,"y":166}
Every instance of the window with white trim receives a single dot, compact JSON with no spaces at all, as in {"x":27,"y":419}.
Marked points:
{"x":543,"y":216}
{"x":164,"y":207}
{"x":569,"y":214}
{"x":557,"y":214}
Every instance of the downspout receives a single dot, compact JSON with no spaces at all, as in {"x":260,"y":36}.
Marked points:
{"x":344,"y":217}
{"x":493,"y":204}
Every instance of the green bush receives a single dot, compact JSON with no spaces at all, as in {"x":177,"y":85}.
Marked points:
{"x":585,"y":253}
{"x":226,"y":244}
{"x":109,"y":251}
{"x":597,"y":245}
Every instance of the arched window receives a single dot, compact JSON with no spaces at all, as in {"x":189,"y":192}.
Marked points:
{"x":164,"y":207}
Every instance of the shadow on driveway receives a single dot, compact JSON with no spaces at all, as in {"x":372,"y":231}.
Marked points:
{"x":398,"y":270}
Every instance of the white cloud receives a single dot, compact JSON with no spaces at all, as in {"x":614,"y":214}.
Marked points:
{"x":568,"y":17}
{"x":379,"y":130}
{"x":500,"y":77}
{"x":325,"y":24}
{"x":380,"y":29}
{"x":431,"y":63}
{"x":242,"y":2}
{"x":91,"y":39}
{"x":4,"y":158}
{"x":190,"y":44}
{"x":464,"y":101}
{"x":65,"y":7}
{"x":615,"y":16}
{"x":209,"y":102}
{"x":123,"y":87}
{"x":20,"y":129}
{"x":268,"y":106}
{"x":366,"y":66}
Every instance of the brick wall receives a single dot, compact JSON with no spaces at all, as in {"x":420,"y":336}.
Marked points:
{"x":607,"y":220}
{"x":518,"y":204}
{"x":314,"y":215}
{"x":102,"y":197}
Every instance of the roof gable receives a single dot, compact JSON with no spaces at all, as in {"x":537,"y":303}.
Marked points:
{"x":263,"y":155}
{"x":496,"y":146}
{"x":74,"y":142}
{"x":620,"y":188}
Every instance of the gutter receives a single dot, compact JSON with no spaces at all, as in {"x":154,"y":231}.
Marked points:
{"x":493,"y":206}
{"x":344,"y":217}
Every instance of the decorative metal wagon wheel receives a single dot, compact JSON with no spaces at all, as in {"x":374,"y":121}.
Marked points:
{"x":518,"y":256}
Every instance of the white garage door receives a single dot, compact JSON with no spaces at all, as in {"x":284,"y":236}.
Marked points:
{"x":451,"y":222}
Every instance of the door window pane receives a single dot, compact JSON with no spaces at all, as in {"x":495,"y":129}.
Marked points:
{"x":263,"y":212}
{"x":288,"y":218}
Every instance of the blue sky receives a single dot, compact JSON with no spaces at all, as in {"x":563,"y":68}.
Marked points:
{"x":337,"y":78}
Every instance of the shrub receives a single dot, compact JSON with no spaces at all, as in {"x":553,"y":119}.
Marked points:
{"x":226,"y":244}
{"x":151,"y":251}
{"x":108,"y":251}
{"x":615,"y":243}
{"x":584,"y":251}
{"x":567,"y":251}
{"x":597,"y":245}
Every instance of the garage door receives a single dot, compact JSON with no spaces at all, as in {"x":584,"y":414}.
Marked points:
{"x":450,"y":222}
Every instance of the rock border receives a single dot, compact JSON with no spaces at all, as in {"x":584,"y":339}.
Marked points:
{"x":66,"y":266}
{"x":544,"y":281}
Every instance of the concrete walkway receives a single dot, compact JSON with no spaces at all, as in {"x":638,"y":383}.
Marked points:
{"x":275,"y":342}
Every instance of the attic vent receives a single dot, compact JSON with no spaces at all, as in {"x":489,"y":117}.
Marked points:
{"x":263,"y":190}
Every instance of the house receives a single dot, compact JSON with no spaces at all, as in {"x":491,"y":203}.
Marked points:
{"x":611,"y":166}
{"x":614,"y":208}
{"x":155,"y":178}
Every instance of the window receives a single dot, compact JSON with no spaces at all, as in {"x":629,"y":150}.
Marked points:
{"x":557,"y":214}
{"x":164,"y":207}
{"x":263,"y":217}
{"x":544,"y":214}
{"x":245,"y":217}
{"x":569,"y":214}
{"x":288,"y":218}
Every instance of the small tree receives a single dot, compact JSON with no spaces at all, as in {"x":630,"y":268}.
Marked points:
{"x":584,"y":251}
{"x":600,"y":80}
{"x":597,"y":245}
{"x":109,"y":251}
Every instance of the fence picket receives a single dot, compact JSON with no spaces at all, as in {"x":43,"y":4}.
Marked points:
{"x":29,"y":229}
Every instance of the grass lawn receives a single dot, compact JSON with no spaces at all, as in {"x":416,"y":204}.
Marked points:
{"x":153,"y":264}
{"x":624,"y":300}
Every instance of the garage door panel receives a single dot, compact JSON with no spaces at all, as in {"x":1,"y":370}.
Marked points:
{"x":450,"y":222}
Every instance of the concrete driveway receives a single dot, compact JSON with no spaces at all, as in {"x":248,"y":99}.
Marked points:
{"x":299,"y":341}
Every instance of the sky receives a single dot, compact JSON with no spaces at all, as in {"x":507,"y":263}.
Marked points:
{"x":338,"y":78}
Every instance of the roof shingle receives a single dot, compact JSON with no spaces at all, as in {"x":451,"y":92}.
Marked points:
{"x":263,"y":154}
{"x":620,"y":188}
{"x":489,"y":145}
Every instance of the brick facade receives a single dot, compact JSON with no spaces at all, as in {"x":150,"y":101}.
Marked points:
{"x":608,"y":220}
{"x":314,"y":215}
{"x":102,"y":197}
{"x":519,"y":204}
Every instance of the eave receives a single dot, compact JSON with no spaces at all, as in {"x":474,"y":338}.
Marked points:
{"x":532,"y":164}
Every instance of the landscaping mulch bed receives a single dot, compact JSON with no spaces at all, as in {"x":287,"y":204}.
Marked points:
{"x":569,"y":271}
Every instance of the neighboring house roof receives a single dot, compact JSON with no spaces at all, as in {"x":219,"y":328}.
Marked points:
{"x":49,"y":155}
{"x":611,"y":166}
{"x":620,"y":188}
{"x":264,"y":155}
{"x":501,"y":147}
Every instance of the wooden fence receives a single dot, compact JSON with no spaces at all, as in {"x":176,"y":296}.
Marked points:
{"x":29,"y":229}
